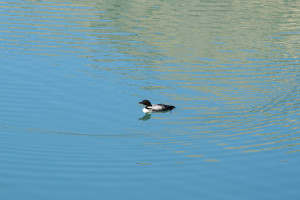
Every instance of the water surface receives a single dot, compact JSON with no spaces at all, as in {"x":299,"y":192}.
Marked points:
{"x":72,"y":74}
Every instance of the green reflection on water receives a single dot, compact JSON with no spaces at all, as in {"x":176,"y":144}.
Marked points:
{"x":233,"y":67}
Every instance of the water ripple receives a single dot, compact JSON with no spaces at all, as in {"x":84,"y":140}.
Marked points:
{"x":72,"y":74}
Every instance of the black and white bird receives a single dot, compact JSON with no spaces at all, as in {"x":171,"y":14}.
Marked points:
{"x":155,"y":107}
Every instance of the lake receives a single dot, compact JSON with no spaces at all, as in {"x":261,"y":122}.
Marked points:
{"x":72,"y":74}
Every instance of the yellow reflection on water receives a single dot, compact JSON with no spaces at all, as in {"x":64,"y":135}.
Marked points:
{"x":194,"y":156}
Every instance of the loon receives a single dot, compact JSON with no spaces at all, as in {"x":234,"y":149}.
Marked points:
{"x":155,"y":107}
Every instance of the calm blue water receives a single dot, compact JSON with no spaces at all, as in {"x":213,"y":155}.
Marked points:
{"x":72,"y":74}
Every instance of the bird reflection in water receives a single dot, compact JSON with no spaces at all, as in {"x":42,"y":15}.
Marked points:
{"x":147,"y":116}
